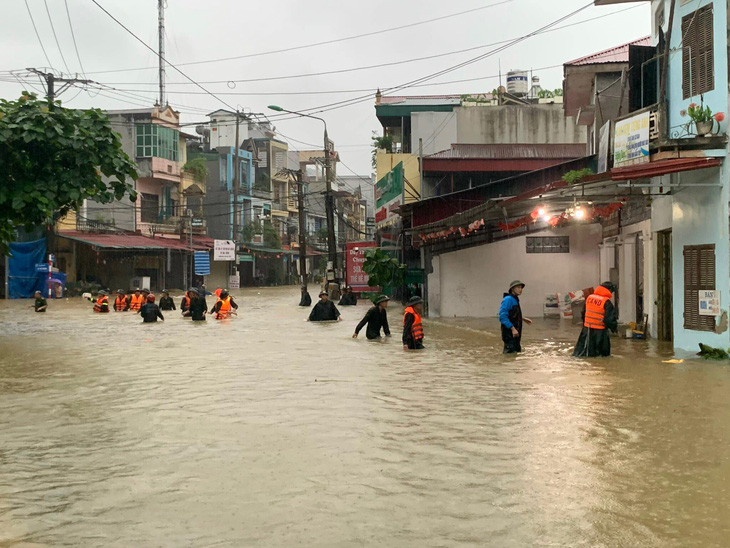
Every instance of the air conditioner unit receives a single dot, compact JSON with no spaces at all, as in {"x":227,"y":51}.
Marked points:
{"x":143,"y":282}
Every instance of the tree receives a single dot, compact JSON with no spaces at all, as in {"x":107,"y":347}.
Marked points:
{"x":52,"y":159}
{"x":383,"y":271}
{"x":250,"y":230}
{"x":384,"y":142}
{"x":198,"y":168}
{"x":271,"y":237}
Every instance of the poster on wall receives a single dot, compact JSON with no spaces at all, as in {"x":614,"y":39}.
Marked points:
{"x":224,"y":250}
{"x":389,"y":196}
{"x":234,"y":282}
{"x":709,"y":302}
{"x":357,"y":278}
{"x":631,"y":141}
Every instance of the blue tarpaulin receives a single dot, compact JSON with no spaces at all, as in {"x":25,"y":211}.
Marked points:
{"x":202,"y":263}
{"x":23,"y":280}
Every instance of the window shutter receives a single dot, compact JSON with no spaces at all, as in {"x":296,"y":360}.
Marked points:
{"x":699,"y":274}
{"x":688,"y":49}
{"x":698,"y":56}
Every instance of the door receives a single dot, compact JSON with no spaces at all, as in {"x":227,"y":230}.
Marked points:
{"x":665,"y":330}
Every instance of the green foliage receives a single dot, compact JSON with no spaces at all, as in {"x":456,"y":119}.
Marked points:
{"x":322,"y":233}
{"x":198,"y":168}
{"x":249,"y":231}
{"x":271,"y":237}
{"x":545,"y":94}
{"x":383,"y":271}
{"x":384,"y":142}
{"x":576,"y":175}
{"x":699,"y":113}
{"x":52,"y":159}
{"x":262,"y":181}
{"x":711,"y":353}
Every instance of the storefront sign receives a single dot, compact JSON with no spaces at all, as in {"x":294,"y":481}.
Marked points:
{"x":196,"y":222}
{"x":224,"y":250}
{"x":631,"y":141}
{"x":357,"y":278}
{"x":709,"y":303}
{"x":234,"y":282}
{"x":389,"y":196}
{"x":245,"y":257}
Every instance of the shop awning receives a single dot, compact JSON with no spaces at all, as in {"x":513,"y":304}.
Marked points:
{"x":129,"y":241}
{"x":270,"y":250}
{"x":663,"y":167}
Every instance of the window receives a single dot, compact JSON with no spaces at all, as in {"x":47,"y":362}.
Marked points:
{"x":157,"y":141}
{"x":223,"y":167}
{"x":699,"y":274}
{"x":548,"y":244}
{"x":150,"y":205}
{"x":698,"y":74}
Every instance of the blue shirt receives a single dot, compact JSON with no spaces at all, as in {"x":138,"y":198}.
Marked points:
{"x":508,"y":303}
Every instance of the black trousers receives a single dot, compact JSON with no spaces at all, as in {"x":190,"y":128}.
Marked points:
{"x":512,"y":344}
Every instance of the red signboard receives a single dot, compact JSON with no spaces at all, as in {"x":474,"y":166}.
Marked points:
{"x":356,"y":276}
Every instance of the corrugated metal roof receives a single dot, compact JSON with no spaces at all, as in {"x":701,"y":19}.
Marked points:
{"x":135,"y":241}
{"x":618,"y":54}
{"x":510,"y":151}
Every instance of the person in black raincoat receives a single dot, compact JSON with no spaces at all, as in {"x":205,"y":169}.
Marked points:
{"x":198,"y":307}
{"x":599,"y":315}
{"x":306,"y":299}
{"x":150,"y":311}
{"x":510,"y":318}
{"x":412,"y":325}
{"x":166,"y":302}
{"x":348,"y":298}
{"x":376,"y":319}
{"x":324,"y":311}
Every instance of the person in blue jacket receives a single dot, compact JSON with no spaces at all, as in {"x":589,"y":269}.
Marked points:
{"x":510,"y":316}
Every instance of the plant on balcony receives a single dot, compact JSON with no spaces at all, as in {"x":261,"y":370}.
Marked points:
{"x":703,"y":118}
{"x":54,"y":158}
{"x":381,"y":143}
{"x":322,"y":233}
{"x":198,"y":168}
{"x":250,"y":231}
{"x":271,"y":237}
{"x":575,"y":176}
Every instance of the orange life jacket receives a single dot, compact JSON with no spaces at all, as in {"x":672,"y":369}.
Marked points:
{"x":225,"y":309}
{"x":185,"y":303}
{"x":136,"y":302}
{"x":595,"y":308}
{"x":417,"y":329}
{"x":100,"y":302}
{"x":120,"y":303}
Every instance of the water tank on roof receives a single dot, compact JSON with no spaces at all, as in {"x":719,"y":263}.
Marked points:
{"x":517,"y":83}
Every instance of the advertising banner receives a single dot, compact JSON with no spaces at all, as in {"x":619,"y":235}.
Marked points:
{"x":709,"y":303}
{"x":389,"y":196}
{"x":631,"y":141}
{"x":224,"y":250}
{"x":356,"y":276}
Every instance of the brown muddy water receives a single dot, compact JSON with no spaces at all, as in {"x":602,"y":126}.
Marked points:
{"x":265,"y":430}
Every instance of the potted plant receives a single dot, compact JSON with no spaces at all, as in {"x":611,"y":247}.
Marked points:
{"x":703,"y":118}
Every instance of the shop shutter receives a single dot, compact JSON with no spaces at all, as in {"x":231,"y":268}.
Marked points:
{"x":699,"y":274}
{"x":698,"y":56}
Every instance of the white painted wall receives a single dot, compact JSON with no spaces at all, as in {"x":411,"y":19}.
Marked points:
{"x":472,"y":282}
{"x":437,"y":129}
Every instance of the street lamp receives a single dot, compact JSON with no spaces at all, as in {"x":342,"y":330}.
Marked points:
{"x":329,"y":205}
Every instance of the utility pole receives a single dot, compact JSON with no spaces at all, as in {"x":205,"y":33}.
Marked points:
{"x":50,"y":80}
{"x":161,"y":50}
{"x":330,"y":208}
{"x":236,"y":181}
{"x":302,"y":230}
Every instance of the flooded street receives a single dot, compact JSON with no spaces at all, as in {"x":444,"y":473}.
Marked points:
{"x":265,"y":430}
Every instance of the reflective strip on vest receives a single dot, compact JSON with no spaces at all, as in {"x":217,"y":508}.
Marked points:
{"x":595,"y":312}
{"x":417,"y":329}
{"x":98,"y":305}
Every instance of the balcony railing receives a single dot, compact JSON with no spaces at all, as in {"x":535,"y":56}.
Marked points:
{"x":87,"y":225}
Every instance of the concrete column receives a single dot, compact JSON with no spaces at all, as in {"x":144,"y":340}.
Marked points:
{"x":606,"y":259}
{"x":627,"y":280}
{"x":650,"y":283}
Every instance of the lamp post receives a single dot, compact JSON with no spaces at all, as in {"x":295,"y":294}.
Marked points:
{"x":329,"y":205}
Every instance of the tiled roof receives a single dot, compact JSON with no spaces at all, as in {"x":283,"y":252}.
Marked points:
{"x":618,"y":54}
{"x":136,"y":241}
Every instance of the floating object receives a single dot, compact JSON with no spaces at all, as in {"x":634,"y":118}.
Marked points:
{"x":674,"y":360}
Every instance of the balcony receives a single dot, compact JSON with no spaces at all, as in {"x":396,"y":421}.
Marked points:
{"x":87,"y":225}
{"x":158,"y":168}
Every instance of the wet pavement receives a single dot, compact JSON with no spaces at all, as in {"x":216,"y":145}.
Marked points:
{"x":264,"y":430}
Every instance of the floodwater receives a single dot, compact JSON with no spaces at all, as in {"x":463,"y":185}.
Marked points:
{"x":265,"y":430}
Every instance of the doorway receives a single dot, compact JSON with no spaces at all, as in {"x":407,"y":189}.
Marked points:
{"x":665,"y":329}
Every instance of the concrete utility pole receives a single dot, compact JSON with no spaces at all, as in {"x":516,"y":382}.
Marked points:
{"x":302,"y":230}
{"x":50,"y":80}
{"x":330,"y":207}
{"x":161,"y":48}
{"x":236,"y":181}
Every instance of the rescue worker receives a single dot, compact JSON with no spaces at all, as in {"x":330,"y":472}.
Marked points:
{"x":185,"y":304}
{"x":166,"y":302}
{"x":376,"y":319}
{"x":348,"y":298}
{"x":599,"y":315}
{"x":41,"y":305}
{"x":121,"y":303}
{"x":150,"y":311}
{"x":510,"y":316}
{"x":306,"y":299}
{"x":224,"y":306}
{"x":325,"y":310}
{"x":101,"y":303}
{"x":198,"y":307}
{"x":136,"y":301}
{"x":412,"y":325}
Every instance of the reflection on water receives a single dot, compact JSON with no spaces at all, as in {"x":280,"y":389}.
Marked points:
{"x":268,"y":431}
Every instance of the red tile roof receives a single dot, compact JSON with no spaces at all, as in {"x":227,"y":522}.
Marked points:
{"x":136,"y":241}
{"x":618,"y":54}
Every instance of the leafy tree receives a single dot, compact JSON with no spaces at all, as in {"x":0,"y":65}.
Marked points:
{"x":384,"y":142}
{"x":382,"y":269}
{"x":271,"y":237}
{"x":198,"y":168}
{"x":52,"y":159}
{"x":250,"y":230}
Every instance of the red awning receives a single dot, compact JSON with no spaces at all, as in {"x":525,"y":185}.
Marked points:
{"x":135,"y":241}
{"x":662,"y":167}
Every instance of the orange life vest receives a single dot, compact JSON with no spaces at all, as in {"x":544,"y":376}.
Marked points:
{"x":100,"y":302}
{"x":225,"y":309}
{"x":595,"y":308}
{"x":120,"y":303}
{"x":136,"y":302}
{"x":185,"y":303}
{"x":417,"y":329}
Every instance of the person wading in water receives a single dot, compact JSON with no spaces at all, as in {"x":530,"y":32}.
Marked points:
{"x":599,"y":315}
{"x":510,"y":316}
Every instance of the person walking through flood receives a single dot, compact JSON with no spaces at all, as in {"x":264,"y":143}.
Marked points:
{"x":121,"y":303}
{"x":136,"y":301}
{"x":166,"y":302}
{"x":198,"y":307}
{"x":599,"y":315}
{"x":306,"y":299}
{"x":325,"y":310}
{"x":348,"y":298}
{"x":224,"y":306}
{"x":41,"y":305}
{"x":185,"y":304}
{"x":101,"y":303}
{"x":510,"y":317}
{"x":150,"y":311}
{"x":412,"y":325}
{"x":376,"y":319}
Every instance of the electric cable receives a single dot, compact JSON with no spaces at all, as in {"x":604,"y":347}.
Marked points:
{"x":55,"y":37}
{"x":73,"y":35}
{"x":38,"y":35}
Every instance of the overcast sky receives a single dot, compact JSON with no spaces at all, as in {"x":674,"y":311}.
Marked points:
{"x":203,"y":31}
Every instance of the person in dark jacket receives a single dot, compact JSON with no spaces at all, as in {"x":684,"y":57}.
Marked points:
{"x":412,"y":326}
{"x":198,"y":307}
{"x":599,"y":315}
{"x":376,"y":319}
{"x":306,"y":299}
{"x":150,"y":311}
{"x":510,"y":318}
{"x":41,"y":305}
{"x":324,"y":311}
{"x":348,"y":298}
{"x":166,"y":302}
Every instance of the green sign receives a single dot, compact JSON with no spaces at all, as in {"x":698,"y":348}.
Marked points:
{"x":389,"y":187}
{"x":245,"y":257}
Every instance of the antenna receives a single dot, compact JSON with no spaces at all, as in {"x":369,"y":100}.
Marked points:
{"x":500,"y":71}
{"x":161,"y":50}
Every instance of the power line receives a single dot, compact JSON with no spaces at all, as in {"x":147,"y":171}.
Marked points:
{"x":55,"y":37}
{"x":73,"y":35}
{"x":38,"y":35}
